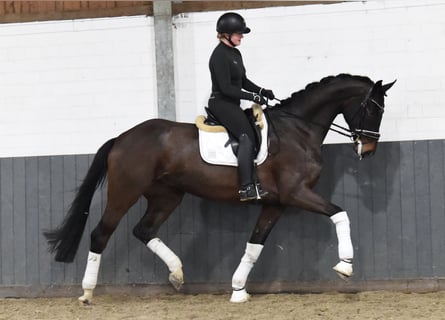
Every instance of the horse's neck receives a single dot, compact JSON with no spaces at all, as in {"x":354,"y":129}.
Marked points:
{"x":321,"y":107}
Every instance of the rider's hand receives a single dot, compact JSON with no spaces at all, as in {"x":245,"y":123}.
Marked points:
{"x":267,"y":93}
{"x":258,"y":99}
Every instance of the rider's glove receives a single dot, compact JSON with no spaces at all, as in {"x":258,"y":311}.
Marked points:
{"x":267,"y":93}
{"x":258,"y":99}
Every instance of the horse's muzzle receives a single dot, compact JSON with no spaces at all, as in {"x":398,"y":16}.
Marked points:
{"x":364,"y":148}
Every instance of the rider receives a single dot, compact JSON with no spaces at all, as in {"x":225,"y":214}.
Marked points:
{"x":228,"y":79}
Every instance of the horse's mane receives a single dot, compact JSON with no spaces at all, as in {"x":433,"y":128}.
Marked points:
{"x":299,"y":95}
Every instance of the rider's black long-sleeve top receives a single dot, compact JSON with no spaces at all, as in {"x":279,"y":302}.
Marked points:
{"x":229,"y":74}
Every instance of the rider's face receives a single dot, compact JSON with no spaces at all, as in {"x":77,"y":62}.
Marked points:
{"x":236,"y":38}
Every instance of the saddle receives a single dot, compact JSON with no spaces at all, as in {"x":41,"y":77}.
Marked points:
{"x":255,"y":117}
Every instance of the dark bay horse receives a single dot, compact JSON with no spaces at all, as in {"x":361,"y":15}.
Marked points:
{"x":160,"y":160}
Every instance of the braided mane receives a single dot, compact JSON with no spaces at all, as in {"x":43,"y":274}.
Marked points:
{"x":323,"y":82}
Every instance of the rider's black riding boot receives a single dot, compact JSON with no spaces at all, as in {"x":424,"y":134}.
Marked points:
{"x":248,"y":190}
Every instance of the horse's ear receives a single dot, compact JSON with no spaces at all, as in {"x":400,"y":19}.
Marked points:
{"x":377,"y":87}
{"x":388,"y":86}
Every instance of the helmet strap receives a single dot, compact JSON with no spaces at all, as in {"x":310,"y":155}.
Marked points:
{"x":229,"y":38}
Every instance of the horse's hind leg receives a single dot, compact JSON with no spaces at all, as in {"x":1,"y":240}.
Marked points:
{"x":266,"y":221}
{"x":116,"y":208}
{"x":160,"y":206}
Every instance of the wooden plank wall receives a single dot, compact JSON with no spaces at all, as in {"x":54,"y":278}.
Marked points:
{"x":395,"y":201}
{"x":23,"y":11}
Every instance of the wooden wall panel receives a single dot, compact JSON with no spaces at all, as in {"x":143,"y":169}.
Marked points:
{"x":436,"y":199}
{"x":32,"y":230}
{"x":44,"y":216}
{"x":7,"y":222}
{"x":395,"y":201}
{"x":24,"y":11}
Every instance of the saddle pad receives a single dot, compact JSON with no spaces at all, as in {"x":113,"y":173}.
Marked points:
{"x":212,"y":147}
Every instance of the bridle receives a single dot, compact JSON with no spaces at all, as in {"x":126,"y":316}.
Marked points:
{"x":356,"y":134}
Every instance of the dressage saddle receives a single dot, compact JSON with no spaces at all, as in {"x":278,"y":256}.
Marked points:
{"x":211,"y":120}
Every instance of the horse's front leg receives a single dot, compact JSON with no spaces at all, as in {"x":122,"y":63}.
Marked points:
{"x":309,"y":200}
{"x":345,"y":248}
{"x":267,"y":219}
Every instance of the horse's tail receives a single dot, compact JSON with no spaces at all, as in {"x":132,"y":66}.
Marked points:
{"x":64,"y":240}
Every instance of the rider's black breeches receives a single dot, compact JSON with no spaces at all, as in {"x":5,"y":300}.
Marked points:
{"x":232,"y":117}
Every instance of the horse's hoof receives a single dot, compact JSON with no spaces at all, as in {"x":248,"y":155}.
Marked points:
{"x":239,"y":296}
{"x":343,"y":269}
{"x":87,"y":297}
{"x":176,"y":279}
{"x":84,"y":302}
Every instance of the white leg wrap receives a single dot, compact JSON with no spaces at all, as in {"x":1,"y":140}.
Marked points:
{"x":251,"y":255}
{"x":162,"y":251}
{"x":92,"y":270}
{"x":345,"y":249}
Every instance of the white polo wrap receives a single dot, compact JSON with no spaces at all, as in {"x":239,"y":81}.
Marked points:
{"x":162,"y":251}
{"x":251,"y":255}
{"x":91,"y":272}
{"x":341,"y":221}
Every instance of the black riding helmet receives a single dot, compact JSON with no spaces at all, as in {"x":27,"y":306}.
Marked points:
{"x":230,"y":23}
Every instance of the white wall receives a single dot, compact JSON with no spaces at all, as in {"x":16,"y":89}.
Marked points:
{"x":68,"y":86}
{"x":290,"y":47}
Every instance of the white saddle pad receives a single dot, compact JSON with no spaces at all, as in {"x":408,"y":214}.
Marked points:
{"x":212,"y":147}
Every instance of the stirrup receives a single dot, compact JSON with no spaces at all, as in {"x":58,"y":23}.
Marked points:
{"x":259,"y":191}
{"x":248,"y":192}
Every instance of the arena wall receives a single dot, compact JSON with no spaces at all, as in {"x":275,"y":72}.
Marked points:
{"x":68,"y":86}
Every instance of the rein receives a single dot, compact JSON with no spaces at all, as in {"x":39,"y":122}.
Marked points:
{"x":354,"y":135}
{"x":344,"y":131}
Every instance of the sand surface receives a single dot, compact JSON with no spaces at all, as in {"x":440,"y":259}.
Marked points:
{"x":341,"y":306}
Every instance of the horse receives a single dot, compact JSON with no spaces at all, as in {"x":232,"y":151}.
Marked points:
{"x":160,"y":160}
